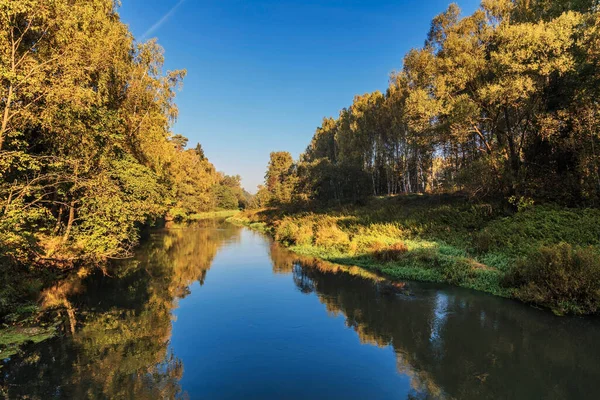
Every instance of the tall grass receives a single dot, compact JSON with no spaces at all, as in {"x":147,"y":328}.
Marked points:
{"x":448,"y":239}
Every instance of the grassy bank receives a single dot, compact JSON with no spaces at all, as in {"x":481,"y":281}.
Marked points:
{"x":544,"y":255}
{"x":211,"y":214}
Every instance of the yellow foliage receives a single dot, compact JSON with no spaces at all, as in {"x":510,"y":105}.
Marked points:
{"x":329,"y":235}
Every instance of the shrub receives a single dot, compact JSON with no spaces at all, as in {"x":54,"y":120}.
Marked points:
{"x":425,"y":257}
{"x":483,"y":241}
{"x":286,"y":231}
{"x":376,"y":246}
{"x":561,"y":277}
{"x":305,"y":234}
{"x":390,"y":230}
{"x":329,"y":235}
{"x":177,"y":214}
{"x":458,"y":271}
{"x":391,"y":253}
{"x":294,"y":232}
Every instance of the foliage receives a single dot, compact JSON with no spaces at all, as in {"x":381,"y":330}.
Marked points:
{"x":501,"y":102}
{"x":390,"y":253}
{"x":279,"y":180}
{"x":562,"y":277}
{"x":290,"y":232}
{"x":86,"y":150}
{"x":442,"y":238}
{"x":329,"y":235}
{"x":87,"y":155}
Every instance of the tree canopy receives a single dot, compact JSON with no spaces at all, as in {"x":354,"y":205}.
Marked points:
{"x":502,"y":102}
{"x":87,"y":154}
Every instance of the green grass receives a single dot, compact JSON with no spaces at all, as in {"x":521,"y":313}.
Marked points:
{"x":213,"y":214}
{"x":443,"y":239}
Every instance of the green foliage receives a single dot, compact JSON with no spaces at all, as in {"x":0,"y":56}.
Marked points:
{"x":87,"y":156}
{"x":223,"y":214}
{"x":86,"y":151}
{"x":499,"y":103}
{"x":524,"y":232}
{"x":229,"y":195}
{"x":562,"y":277}
{"x":279,"y":179}
{"x":448,"y":239}
{"x":225,"y":197}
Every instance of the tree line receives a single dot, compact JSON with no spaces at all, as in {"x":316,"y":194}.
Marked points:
{"x":502,"y":102}
{"x":87,"y":154}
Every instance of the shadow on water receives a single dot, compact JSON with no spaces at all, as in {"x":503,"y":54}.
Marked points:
{"x":447,"y":342}
{"x":121,"y":323}
{"x":457,"y":343}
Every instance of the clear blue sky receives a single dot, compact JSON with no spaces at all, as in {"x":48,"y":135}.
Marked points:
{"x":263,"y":74}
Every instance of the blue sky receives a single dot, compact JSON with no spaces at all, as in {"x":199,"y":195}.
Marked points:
{"x":263,"y":74}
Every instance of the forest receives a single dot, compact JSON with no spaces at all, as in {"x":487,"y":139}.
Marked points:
{"x":499,"y":103}
{"x":87,"y":153}
{"x":478,"y":166}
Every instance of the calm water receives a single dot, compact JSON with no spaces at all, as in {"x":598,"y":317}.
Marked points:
{"x":220,"y":312}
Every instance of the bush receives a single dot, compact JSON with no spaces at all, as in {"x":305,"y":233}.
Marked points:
{"x":458,"y":271}
{"x":294,"y":232}
{"x":562,"y":277}
{"x":525,"y":231}
{"x":394,"y":252}
{"x":483,"y":241}
{"x":177,"y":214}
{"x":329,"y":235}
{"x":286,"y":231}
{"x":305,"y":234}
{"x":376,"y":246}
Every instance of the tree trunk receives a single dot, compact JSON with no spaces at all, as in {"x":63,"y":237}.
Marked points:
{"x":58,"y":220}
{"x":6,"y":115}
{"x":70,"y":221}
{"x":8,"y":201}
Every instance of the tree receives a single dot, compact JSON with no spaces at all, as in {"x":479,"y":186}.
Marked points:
{"x":280,"y":178}
{"x":200,"y":152}
{"x":180,"y":142}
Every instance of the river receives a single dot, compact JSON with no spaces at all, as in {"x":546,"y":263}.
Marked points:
{"x":215,"y":311}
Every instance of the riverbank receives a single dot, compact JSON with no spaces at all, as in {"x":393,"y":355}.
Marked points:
{"x":543,"y":255}
{"x":211,"y":215}
{"x":22,"y":316}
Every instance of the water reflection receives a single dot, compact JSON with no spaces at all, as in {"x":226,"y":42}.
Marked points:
{"x":120,"y":324}
{"x":455,"y":343}
{"x":252,"y":332}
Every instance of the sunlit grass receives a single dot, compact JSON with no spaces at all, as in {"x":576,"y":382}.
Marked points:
{"x":213,"y":214}
{"x":431,"y":239}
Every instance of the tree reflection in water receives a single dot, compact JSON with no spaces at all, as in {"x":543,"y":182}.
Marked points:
{"x":454,"y":343}
{"x":450,"y":343}
{"x":118,"y":325}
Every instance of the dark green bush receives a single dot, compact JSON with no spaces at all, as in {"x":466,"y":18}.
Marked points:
{"x":561,"y":277}
{"x":483,"y":241}
{"x":458,"y":271}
